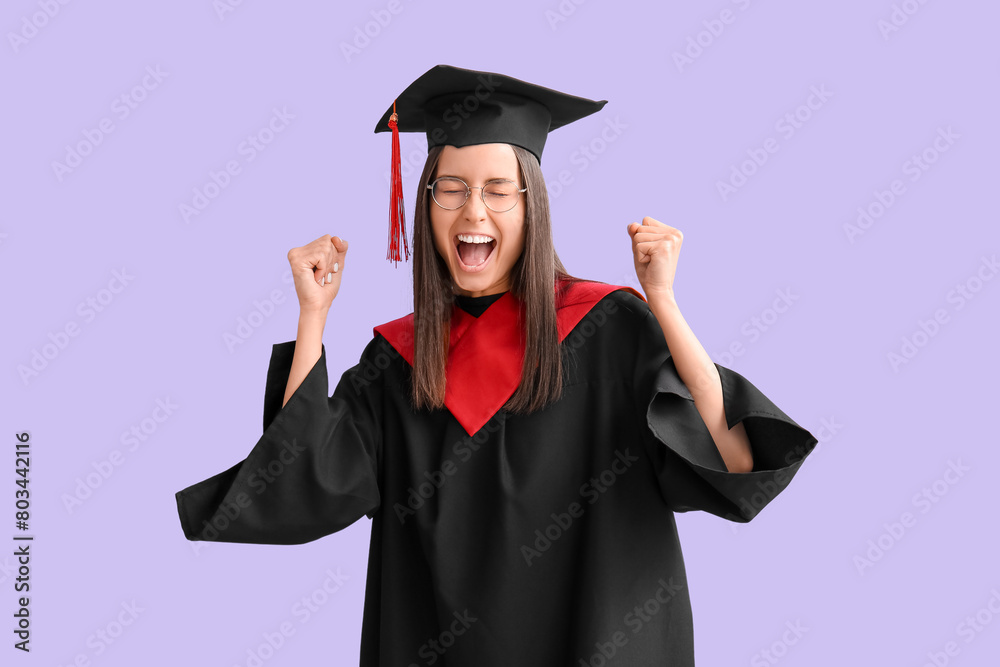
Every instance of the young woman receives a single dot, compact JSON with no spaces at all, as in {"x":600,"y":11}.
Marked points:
{"x":520,"y":441}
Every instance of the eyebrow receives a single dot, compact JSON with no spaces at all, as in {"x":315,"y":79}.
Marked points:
{"x":488,"y":180}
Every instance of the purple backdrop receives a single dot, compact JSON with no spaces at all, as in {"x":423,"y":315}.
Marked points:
{"x":831,"y":166}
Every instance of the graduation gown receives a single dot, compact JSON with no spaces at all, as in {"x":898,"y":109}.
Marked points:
{"x":501,"y":539}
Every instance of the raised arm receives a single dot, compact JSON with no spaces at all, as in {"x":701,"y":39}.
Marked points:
{"x":308,"y":349}
{"x":655,"y":248}
{"x":701,"y":377}
{"x":317,"y":269}
{"x":314,"y":470}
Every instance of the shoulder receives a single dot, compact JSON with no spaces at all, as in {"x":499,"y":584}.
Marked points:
{"x":614,"y":312}
{"x":379,"y":368}
{"x":622,"y":300}
{"x":397,"y":335}
{"x":628,"y":300}
{"x":575,"y":290}
{"x":393,"y":327}
{"x":379,"y":345}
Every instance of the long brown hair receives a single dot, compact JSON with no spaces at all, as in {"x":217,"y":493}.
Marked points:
{"x":533,"y":279}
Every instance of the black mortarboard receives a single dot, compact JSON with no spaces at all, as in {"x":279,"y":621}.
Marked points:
{"x":462,"y":107}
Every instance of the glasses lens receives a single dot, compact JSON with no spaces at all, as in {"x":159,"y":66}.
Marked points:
{"x":450,"y":192}
{"x":501,"y":195}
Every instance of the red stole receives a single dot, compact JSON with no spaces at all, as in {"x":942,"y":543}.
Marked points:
{"x":486,"y":353}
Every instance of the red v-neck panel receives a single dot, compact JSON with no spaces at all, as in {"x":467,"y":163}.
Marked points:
{"x":497,"y":335}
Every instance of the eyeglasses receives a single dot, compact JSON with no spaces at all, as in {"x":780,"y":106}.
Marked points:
{"x":451,"y":193}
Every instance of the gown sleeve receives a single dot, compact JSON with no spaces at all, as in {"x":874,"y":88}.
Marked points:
{"x":689,"y":468}
{"x":314,"y":470}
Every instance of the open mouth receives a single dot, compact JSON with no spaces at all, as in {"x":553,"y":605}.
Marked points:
{"x":474,"y":251}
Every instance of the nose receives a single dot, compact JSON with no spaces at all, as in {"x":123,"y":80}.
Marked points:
{"x":475,"y":207}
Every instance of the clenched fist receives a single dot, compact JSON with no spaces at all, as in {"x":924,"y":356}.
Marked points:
{"x":317,"y":269}
{"x":655,"y":248}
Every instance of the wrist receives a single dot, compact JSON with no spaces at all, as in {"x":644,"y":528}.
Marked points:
{"x":313,"y":315}
{"x":312,"y":323}
{"x":661,"y":298}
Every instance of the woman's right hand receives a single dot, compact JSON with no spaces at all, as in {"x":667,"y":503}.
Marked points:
{"x":316,"y":269}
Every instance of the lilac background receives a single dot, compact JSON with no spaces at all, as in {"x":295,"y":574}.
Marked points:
{"x":681,"y":129}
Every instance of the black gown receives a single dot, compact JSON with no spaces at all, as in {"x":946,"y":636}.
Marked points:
{"x":543,"y":540}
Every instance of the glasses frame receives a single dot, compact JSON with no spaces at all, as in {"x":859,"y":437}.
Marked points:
{"x":482,"y":194}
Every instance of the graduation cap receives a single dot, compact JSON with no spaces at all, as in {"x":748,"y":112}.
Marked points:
{"x":462,"y":107}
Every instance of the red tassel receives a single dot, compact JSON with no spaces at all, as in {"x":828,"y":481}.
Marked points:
{"x":397,"y":214}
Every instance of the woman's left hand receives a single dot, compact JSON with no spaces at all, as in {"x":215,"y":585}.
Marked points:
{"x":655,"y":247}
